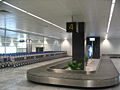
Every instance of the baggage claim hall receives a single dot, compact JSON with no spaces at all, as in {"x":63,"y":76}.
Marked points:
{"x":59,"y":44}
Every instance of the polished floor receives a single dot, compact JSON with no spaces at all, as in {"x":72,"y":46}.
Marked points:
{"x":15,"y":79}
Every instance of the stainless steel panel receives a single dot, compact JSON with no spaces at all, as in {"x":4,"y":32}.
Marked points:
{"x":105,"y":75}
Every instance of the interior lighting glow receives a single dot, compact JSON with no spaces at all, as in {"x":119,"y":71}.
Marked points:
{"x":106,"y":45}
{"x":21,"y":45}
{"x":0,"y":43}
{"x":11,"y":50}
{"x":92,"y":39}
{"x":113,"y":1}
{"x":12,"y":43}
{"x":65,"y":38}
{"x":24,"y":11}
{"x":106,"y":36}
{"x":2,"y":49}
{"x":45,"y":41}
{"x":110,"y":16}
{"x":66,"y":43}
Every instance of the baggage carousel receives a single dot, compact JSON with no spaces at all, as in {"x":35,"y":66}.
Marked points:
{"x":104,"y":76}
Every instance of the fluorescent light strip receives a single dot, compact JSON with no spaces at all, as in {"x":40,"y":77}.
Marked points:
{"x":110,"y":16}
{"x":33,"y":15}
{"x":113,"y":1}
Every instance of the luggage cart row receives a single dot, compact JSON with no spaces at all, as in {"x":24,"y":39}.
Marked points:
{"x":21,"y":59}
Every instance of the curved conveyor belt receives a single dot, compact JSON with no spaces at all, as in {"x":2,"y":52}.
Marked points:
{"x":105,"y":75}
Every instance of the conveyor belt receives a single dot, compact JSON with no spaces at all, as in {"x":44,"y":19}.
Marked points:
{"x":112,"y":55}
{"x":106,"y":75}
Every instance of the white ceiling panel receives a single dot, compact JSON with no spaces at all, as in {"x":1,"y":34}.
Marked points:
{"x":115,"y":23}
{"x":94,"y":13}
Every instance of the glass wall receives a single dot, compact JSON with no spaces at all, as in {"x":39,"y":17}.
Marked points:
{"x":37,"y":43}
{"x":13,"y":42}
{"x":51,"y":44}
{"x":2,"y":44}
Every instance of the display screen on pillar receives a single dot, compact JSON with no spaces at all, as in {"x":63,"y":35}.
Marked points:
{"x":92,"y":39}
{"x":71,"y":26}
{"x":90,"y":51}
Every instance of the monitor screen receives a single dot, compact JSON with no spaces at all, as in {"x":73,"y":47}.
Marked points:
{"x":92,"y":39}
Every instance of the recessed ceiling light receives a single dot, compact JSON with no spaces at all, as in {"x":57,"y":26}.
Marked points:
{"x":33,"y":15}
{"x":106,"y":36}
{"x":65,"y":38}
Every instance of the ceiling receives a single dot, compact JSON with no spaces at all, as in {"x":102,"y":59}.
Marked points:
{"x":95,"y":13}
{"x":115,"y":23}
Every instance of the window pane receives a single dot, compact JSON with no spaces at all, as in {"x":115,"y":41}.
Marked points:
{"x":37,"y":42}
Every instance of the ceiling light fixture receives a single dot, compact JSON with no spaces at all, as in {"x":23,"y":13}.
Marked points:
{"x":24,"y":11}
{"x":12,"y":43}
{"x":30,"y":32}
{"x":113,"y":1}
{"x":110,"y":16}
{"x":65,"y":38}
{"x":106,"y":36}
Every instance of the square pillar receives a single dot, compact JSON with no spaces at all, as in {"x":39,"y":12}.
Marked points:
{"x":78,"y":44}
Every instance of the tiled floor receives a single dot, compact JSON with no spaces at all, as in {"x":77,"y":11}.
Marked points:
{"x":15,"y":79}
{"x":92,"y":64}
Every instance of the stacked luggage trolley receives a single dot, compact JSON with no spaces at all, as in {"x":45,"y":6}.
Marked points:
{"x":21,"y":59}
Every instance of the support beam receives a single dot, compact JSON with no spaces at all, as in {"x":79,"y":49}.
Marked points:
{"x":78,"y":44}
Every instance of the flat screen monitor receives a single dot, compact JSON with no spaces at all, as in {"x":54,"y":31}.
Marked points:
{"x":92,"y":39}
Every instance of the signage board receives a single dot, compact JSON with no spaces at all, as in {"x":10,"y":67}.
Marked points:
{"x":71,"y":26}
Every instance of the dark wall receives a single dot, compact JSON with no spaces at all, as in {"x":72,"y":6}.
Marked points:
{"x":39,"y":49}
{"x":96,"y":47}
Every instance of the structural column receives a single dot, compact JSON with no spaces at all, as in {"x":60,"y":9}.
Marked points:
{"x":78,"y":44}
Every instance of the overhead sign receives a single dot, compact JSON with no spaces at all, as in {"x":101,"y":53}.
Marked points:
{"x":71,"y":26}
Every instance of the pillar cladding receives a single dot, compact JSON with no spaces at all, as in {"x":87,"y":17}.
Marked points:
{"x":78,"y":44}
